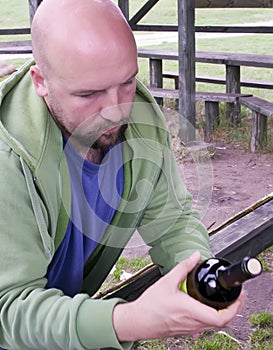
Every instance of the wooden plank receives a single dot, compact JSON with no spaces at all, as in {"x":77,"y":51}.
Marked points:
{"x":158,"y":54}
{"x":14,"y":31}
{"x":16,"y":50}
{"x":233,"y":3}
{"x":250,"y":235}
{"x":199,"y":96}
{"x":17,"y":43}
{"x":235,"y":29}
{"x":258,"y":84}
{"x":257,"y":104}
{"x":225,"y":58}
{"x":165,"y":93}
{"x":218,"y":96}
{"x":15,"y":47}
{"x":154,"y":28}
{"x":203,"y":29}
{"x":234,"y":59}
{"x":142,"y":12}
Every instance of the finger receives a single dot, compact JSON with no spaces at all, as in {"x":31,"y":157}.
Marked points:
{"x":207,"y":317}
{"x":235,"y":308}
{"x":242,"y":298}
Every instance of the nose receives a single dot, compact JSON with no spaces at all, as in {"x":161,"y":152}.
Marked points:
{"x":111,"y":109}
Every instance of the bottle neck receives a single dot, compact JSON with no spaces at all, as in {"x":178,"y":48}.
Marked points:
{"x":235,"y":274}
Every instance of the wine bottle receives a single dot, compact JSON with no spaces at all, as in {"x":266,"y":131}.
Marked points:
{"x":217,"y":282}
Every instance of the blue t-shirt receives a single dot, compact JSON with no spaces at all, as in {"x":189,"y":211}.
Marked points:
{"x":96,"y":193}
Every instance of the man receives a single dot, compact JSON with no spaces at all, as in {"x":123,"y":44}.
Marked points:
{"x":85,"y":160}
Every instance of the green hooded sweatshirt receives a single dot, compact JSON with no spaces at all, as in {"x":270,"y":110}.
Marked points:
{"x":34,"y":212}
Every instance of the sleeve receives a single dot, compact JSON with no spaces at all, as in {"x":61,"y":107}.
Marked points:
{"x":31,"y":316}
{"x":169,"y":225}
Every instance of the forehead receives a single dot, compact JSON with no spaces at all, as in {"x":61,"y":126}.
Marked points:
{"x":106,"y":67}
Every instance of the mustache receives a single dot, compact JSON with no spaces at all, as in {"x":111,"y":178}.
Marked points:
{"x":88,"y":134}
{"x":101,"y":128}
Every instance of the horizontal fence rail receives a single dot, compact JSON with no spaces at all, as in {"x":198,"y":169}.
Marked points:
{"x":233,"y":3}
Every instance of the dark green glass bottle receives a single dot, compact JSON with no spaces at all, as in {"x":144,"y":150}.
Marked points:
{"x":218,"y":283}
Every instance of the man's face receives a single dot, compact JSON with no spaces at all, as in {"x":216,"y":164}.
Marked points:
{"x":93,"y":101}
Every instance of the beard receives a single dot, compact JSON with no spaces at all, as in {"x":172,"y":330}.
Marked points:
{"x":91,"y":137}
{"x":99,"y":140}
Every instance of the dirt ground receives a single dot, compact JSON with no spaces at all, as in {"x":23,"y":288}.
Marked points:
{"x":232,"y":180}
{"x":229,"y":182}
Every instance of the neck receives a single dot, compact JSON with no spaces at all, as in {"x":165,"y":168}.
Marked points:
{"x":93,"y":155}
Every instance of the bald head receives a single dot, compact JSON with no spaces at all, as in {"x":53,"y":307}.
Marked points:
{"x":66,"y":31}
{"x":86,"y":67}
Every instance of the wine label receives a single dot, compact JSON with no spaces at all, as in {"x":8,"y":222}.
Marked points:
{"x":183,"y":286}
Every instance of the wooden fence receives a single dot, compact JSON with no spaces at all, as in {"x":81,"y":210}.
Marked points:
{"x":186,"y":44}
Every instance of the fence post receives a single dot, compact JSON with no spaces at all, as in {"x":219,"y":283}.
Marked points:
{"x":33,"y":5}
{"x":232,"y":87}
{"x":186,"y":51}
{"x":124,"y":6}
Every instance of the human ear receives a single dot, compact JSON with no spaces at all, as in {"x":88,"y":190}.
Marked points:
{"x":38,"y":81}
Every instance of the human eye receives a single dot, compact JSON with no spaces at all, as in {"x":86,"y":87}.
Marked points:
{"x":89,"y":94}
{"x":129,"y":82}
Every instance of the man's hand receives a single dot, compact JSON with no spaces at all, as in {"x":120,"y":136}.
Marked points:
{"x":164,"y":311}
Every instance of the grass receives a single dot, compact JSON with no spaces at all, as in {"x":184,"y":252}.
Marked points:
{"x":263,"y":319}
{"x":262,"y":337}
{"x":14,"y":14}
{"x":130,"y":265}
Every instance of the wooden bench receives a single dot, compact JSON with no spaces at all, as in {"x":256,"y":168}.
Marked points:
{"x":232,"y":62}
{"x":233,"y":82}
{"x":236,"y":238}
{"x":211,"y":100}
{"x":261,"y":110}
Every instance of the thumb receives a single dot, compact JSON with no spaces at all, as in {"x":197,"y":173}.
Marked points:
{"x":181,"y":271}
